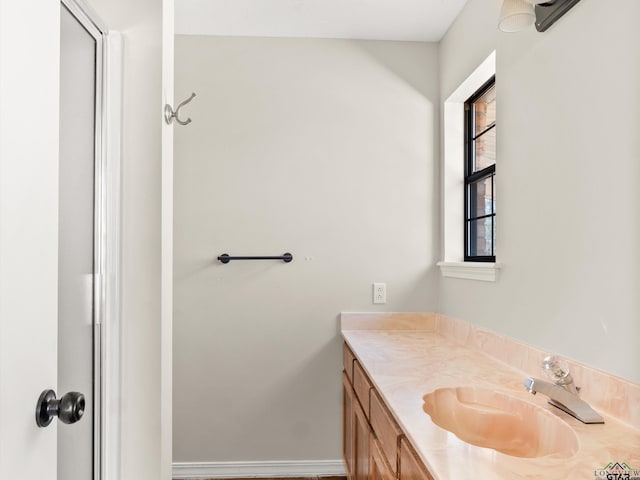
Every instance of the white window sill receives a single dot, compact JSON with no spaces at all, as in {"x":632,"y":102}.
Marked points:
{"x":484,"y":271}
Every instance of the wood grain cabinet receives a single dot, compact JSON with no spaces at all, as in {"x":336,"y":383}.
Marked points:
{"x":411,"y":468}
{"x":386,"y":431}
{"x":347,"y":360}
{"x":356,"y":433}
{"x":362,"y":386}
{"x":374,"y":446}
{"x":362,"y":434}
{"x":379,"y":468}
{"x":348,"y":426}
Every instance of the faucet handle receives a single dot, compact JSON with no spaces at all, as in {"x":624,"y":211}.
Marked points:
{"x":558,"y":371}
{"x":554,"y":368}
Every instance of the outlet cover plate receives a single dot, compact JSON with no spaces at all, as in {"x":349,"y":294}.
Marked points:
{"x":379,"y":293}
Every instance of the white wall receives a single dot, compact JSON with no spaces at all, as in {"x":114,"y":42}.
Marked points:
{"x":140,"y":23}
{"x":567,"y":186}
{"x":326,"y":149}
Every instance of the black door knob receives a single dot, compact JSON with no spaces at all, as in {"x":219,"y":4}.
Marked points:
{"x":69,"y":408}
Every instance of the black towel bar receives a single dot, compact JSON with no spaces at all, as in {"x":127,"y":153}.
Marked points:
{"x":225,"y":258}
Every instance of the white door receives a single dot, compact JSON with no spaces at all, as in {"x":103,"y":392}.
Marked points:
{"x":47,"y":251}
{"x":29,"y":93}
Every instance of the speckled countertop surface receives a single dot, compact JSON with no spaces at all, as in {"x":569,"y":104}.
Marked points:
{"x":405,"y":364}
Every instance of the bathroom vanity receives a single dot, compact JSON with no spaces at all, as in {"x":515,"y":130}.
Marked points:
{"x":374,"y":447}
{"x":399,"y":366}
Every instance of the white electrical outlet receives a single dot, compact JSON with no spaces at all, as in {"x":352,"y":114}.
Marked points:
{"x":379,"y":293}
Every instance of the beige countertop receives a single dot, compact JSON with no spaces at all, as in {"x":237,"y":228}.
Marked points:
{"x":410,"y":355}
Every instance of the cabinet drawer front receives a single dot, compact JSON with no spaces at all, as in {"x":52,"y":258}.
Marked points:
{"x":347,"y":361}
{"x":362,"y":386}
{"x":386,"y":430}
{"x":411,"y":467}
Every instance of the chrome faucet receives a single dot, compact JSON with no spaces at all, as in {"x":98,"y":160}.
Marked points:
{"x":562,"y":394}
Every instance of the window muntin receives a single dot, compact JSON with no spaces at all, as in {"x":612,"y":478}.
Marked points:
{"x":480,"y":171}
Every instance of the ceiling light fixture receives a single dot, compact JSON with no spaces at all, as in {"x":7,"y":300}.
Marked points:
{"x":516,"y":15}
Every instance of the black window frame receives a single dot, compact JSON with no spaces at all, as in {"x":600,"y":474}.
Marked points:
{"x":471,"y":176}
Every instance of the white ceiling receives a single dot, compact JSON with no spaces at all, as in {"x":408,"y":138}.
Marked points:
{"x":415,"y":20}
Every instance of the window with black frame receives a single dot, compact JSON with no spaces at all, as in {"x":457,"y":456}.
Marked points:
{"x":480,"y":173}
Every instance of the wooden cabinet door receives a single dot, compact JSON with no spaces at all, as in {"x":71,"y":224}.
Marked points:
{"x":348,"y":427}
{"x":379,"y":468}
{"x":411,"y":467}
{"x":362,"y":433}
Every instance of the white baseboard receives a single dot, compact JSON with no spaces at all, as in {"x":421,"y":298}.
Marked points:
{"x":304,"y":468}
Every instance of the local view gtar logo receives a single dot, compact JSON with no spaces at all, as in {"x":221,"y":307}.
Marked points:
{"x":617,"y":471}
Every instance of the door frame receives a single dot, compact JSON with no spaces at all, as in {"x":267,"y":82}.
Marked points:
{"x":112,"y":280}
{"x":107,"y":239}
